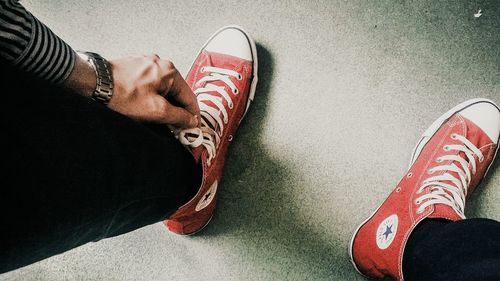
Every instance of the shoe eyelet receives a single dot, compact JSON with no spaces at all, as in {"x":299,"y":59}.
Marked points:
{"x":430,"y":171}
{"x":202,"y":70}
{"x":239,"y":77}
{"x":409,"y":175}
{"x":417,"y":201}
{"x":230,"y":138}
{"x":439,"y":159}
{"x":398,"y":189}
{"x":454,"y":136}
{"x":235,"y":91}
{"x":481,"y":159}
{"x":231,"y":105}
{"x":446,"y":148}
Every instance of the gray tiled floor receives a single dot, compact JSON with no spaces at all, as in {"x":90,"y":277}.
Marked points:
{"x":346,"y":88}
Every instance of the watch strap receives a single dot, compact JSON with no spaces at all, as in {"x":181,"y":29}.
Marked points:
{"x":104,"y":86}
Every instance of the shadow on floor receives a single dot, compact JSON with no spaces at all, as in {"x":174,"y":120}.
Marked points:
{"x":259,"y":207}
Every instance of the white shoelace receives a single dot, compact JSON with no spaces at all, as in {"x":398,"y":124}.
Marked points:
{"x":448,"y":194}
{"x":212,"y":125}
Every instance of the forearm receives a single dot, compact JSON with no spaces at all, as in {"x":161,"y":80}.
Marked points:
{"x":28,"y":44}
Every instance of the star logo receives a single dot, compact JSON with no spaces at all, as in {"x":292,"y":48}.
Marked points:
{"x":207,"y":198}
{"x":386,"y":231}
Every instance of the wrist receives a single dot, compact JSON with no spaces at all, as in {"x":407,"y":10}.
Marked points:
{"x":83,"y":78}
{"x":92,"y":77}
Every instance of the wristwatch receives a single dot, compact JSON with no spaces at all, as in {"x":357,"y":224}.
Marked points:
{"x":104,"y":86}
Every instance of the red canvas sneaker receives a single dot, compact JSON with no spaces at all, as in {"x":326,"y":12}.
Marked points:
{"x":447,"y":164}
{"x":224,"y":77}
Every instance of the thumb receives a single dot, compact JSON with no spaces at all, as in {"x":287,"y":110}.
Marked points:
{"x":174,"y":115}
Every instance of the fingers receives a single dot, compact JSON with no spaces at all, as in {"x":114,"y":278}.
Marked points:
{"x":175,"y":87}
{"x":175,"y":103}
{"x":173,"y":115}
{"x":181,"y":92}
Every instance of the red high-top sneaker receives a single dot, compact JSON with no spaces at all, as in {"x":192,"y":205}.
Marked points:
{"x":223,"y":77}
{"x":447,"y":164}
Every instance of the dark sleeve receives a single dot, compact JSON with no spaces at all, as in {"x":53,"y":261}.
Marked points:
{"x":27,"y":43}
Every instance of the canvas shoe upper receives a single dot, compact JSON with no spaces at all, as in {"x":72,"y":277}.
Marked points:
{"x":223,"y":77}
{"x":447,"y":164}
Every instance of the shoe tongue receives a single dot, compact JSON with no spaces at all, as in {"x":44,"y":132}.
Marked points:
{"x":198,"y":151}
{"x":223,"y":60}
{"x":477,"y":137}
{"x":444,"y":211}
{"x":214,"y":127}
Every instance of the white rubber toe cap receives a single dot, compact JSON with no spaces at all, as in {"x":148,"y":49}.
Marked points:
{"x":231,"y":41}
{"x":486,"y":115}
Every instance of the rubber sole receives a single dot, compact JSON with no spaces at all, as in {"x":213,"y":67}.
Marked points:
{"x":201,"y":228}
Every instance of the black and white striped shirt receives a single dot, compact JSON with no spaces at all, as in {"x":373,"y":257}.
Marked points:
{"x":27,"y":43}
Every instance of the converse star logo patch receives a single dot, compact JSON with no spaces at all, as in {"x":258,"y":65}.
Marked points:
{"x":207,"y":197}
{"x":387,"y":231}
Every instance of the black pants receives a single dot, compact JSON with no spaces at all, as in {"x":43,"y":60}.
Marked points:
{"x":463,"y":250}
{"x":75,"y":171}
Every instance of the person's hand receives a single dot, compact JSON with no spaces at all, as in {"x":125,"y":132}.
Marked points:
{"x":151,"y":89}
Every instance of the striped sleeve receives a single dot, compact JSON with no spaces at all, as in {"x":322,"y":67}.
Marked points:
{"x":27,"y":43}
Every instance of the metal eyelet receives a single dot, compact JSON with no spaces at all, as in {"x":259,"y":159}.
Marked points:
{"x":202,"y":70}
{"x":409,"y":175}
{"x":231,"y":105}
{"x":235,"y":91}
{"x":230,"y":138}
{"x":239,"y":77}
{"x":398,"y":189}
{"x":453,"y":136}
{"x":430,"y":171}
{"x":446,"y":148}
{"x":439,"y":159}
{"x":481,"y":159}
{"x":417,"y":201}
